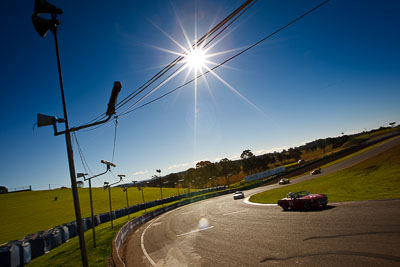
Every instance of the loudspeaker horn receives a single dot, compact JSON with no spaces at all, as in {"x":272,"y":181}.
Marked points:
{"x":44,"y":7}
{"x":42,"y":26}
{"x":45,"y":120}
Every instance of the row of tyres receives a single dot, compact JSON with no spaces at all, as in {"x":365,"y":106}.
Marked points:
{"x":20,"y":252}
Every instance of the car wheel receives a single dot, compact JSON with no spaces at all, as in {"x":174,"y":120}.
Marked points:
{"x":285,"y":206}
{"x":307,"y":206}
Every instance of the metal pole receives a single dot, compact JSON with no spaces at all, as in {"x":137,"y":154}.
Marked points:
{"x":127,"y":203}
{"x":91,"y":210}
{"x":143,"y":198}
{"x":109,"y":196}
{"x":71,"y":164}
{"x":161,"y":194}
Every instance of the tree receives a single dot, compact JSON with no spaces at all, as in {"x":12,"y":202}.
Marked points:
{"x":190,"y":176}
{"x":171,"y":179}
{"x":205,"y":170}
{"x":246,"y":154}
{"x":249,"y":161}
{"x":3,"y":189}
{"x":227,"y":169}
{"x":294,"y":153}
{"x":201,"y":164}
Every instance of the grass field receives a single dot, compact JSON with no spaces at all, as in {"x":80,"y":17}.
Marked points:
{"x":28,"y":212}
{"x":375,"y":178}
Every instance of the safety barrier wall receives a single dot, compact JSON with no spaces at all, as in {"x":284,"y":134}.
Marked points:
{"x":21,"y":252}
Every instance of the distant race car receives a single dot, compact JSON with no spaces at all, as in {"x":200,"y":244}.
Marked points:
{"x":303,"y":200}
{"x":238,"y":195}
{"x":316,"y":171}
{"x":284,"y":181}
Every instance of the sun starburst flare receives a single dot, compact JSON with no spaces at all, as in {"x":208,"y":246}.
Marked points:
{"x":198,"y":61}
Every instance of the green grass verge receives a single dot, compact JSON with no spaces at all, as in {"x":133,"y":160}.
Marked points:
{"x":28,"y":212}
{"x":377,"y":134}
{"x":356,"y":153}
{"x":344,"y":158}
{"x":375,"y":178}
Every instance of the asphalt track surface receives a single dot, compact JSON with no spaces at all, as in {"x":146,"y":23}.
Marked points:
{"x":226,"y":232}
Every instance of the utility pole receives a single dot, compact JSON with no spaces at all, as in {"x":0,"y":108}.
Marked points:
{"x":42,"y":26}
{"x":107,"y":184}
{"x":79,"y":175}
{"x":159,"y":177}
{"x":142,"y":189}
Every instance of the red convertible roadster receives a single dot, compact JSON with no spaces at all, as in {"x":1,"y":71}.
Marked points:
{"x":303,"y":200}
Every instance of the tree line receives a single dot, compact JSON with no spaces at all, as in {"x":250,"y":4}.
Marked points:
{"x":208,"y":173}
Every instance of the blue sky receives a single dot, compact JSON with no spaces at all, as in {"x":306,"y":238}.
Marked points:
{"x":337,"y":70}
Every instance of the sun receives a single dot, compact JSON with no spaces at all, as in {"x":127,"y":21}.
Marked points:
{"x":196,"y":58}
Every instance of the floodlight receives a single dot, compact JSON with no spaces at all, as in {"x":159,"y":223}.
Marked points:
{"x":108,"y":163}
{"x":113,"y":98}
{"x":45,"y":120}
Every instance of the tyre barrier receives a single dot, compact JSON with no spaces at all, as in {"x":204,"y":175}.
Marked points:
{"x":21,"y":252}
{"x":72,"y":229}
{"x":37,"y":243}
{"x":9,"y":255}
{"x":104,"y":217}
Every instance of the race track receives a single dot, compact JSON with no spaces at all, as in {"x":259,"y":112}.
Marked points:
{"x":226,"y":232}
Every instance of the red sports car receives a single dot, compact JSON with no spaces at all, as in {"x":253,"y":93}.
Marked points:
{"x":303,"y":200}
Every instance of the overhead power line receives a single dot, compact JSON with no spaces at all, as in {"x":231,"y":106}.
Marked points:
{"x":227,"y":60}
{"x":85,"y":165}
{"x":181,"y":68}
{"x":179,"y":58}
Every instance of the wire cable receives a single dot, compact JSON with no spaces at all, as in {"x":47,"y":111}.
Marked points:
{"x":176,"y":61}
{"x":181,"y":57}
{"x":229,"y":59}
{"x":82,"y":157}
{"x":182,"y":66}
{"x":115,"y":136}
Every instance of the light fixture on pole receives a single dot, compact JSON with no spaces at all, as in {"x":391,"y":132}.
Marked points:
{"x":108,"y":185}
{"x":82,"y":175}
{"x":127,"y":204}
{"x":159,"y":176}
{"x":42,"y":26}
{"x":125,"y":189}
{"x":142,"y":189}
